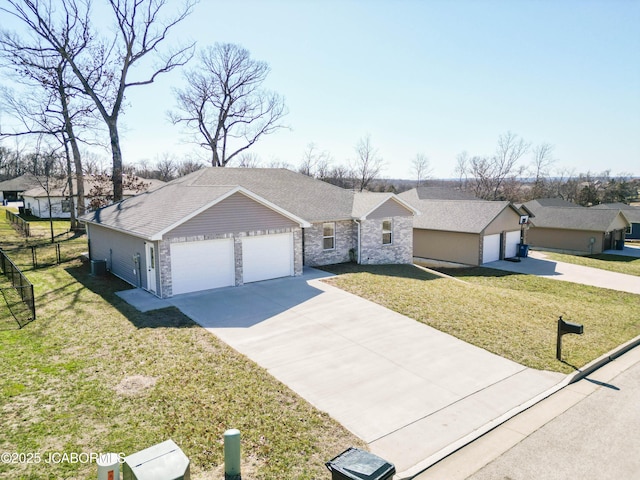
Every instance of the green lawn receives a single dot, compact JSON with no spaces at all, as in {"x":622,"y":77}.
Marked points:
{"x":614,"y":263}
{"x":92,"y":374}
{"x":512,"y":315}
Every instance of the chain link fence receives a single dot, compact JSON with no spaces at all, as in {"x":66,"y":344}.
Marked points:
{"x":18,"y":294}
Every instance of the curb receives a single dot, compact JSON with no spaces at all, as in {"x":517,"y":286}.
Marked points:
{"x":476,"y":434}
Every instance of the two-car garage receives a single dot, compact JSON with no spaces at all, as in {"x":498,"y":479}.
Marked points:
{"x":207,"y":264}
{"x":492,"y":246}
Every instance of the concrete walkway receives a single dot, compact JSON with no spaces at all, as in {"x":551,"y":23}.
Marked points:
{"x":413,"y":393}
{"x":537,"y":263}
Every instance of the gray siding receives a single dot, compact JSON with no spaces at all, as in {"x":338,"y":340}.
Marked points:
{"x":235,"y":214}
{"x":388,"y":209}
{"x":119,"y":249}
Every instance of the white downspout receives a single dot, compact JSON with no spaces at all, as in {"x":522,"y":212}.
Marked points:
{"x":359,"y":243}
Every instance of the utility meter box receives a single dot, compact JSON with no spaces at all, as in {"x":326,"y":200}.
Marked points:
{"x":356,"y":464}
{"x":164,"y":461}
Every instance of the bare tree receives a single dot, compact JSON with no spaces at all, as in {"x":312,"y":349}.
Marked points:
{"x":489,"y":174}
{"x":421,"y":168}
{"x":367,"y":165}
{"x":314,"y":163}
{"x":225,"y":103}
{"x":59,"y":110}
{"x":166,"y":166}
{"x":189,"y":166}
{"x":541,"y":169}
{"x":103,"y":67}
{"x":248,"y":160}
{"x":462,"y":168}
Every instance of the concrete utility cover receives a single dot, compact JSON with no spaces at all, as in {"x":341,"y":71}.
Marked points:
{"x":407,"y":389}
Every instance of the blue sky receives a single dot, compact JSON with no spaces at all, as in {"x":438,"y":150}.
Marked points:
{"x":432,"y":77}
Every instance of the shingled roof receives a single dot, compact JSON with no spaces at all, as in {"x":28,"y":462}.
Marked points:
{"x":301,"y":198}
{"x":573,"y":217}
{"x":632,"y":213}
{"x":466,"y":216}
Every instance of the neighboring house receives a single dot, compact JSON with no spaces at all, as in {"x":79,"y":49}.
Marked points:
{"x":462,"y":229}
{"x":630,"y":212}
{"x":11,"y":190}
{"x":566,"y":226}
{"x":221,"y":227}
{"x":36,"y":200}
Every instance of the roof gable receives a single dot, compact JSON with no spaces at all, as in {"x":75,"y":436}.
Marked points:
{"x":379,"y":205}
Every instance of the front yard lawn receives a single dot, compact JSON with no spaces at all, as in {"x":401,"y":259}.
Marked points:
{"x":92,"y":374}
{"x":604,"y":261}
{"x":512,"y":315}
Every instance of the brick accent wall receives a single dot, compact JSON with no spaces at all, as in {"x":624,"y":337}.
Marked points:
{"x":372,"y":251}
{"x":345,"y":240}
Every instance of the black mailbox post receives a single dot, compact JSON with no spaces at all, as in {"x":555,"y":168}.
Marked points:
{"x":563,"y":328}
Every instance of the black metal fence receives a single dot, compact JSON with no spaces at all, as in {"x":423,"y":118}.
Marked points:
{"x":23,"y":311}
{"x":18,"y":222}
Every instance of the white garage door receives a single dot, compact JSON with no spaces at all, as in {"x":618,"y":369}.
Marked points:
{"x":267,"y":256}
{"x":491,"y":248}
{"x":511,"y":249}
{"x":202,"y":265}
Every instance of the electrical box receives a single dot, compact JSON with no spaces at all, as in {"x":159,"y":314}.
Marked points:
{"x":164,"y":461}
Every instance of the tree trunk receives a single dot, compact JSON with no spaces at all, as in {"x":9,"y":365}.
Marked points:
{"x":72,"y":209}
{"x":117,"y":160}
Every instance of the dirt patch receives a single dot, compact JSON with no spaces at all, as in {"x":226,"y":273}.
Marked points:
{"x":134,"y":384}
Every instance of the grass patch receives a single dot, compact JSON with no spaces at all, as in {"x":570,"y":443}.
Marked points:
{"x":512,"y":315}
{"x":603,"y":261}
{"x":92,"y":374}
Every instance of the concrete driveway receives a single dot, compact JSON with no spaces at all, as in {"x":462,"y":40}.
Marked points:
{"x":411,"y":392}
{"x":537,"y":263}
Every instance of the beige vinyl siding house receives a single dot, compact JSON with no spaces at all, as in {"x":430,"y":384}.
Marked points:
{"x":223,"y":227}
{"x":558,"y":226}
{"x":462,"y":230}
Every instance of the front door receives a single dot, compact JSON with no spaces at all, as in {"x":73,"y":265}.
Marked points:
{"x":150,"y":250}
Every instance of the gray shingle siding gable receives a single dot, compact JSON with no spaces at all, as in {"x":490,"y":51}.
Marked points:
{"x":237,"y":213}
{"x":390,"y":208}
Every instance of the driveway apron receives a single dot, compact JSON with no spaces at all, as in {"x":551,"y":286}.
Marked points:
{"x":408,"y":390}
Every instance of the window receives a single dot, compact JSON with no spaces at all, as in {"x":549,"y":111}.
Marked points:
{"x":66,"y":205}
{"x":386,"y":232}
{"x":328,"y":236}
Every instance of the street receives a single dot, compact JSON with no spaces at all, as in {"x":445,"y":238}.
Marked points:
{"x":588,"y":430}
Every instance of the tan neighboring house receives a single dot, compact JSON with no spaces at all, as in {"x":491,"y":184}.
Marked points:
{"x":564,"y":226}
{"x":221,"y":227}
{"x":631,"y":212}
{"x":464,"y":229}
{"x":36,"y":200}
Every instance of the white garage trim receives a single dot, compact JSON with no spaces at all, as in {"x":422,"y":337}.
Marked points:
{"x":491,"y":248}
{"x":202,"y":265}
{"x":267,"y":256}
{"x":512,"y":242}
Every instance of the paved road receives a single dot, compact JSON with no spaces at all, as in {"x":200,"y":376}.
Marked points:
{"x":590,"y":430}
